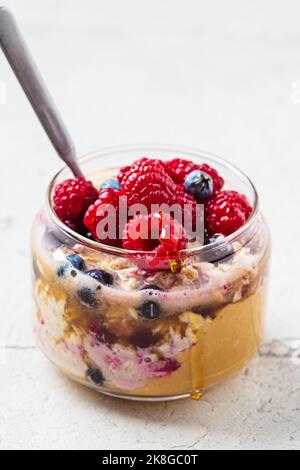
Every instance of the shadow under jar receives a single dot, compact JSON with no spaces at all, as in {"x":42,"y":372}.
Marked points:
{"x":149,"y":336}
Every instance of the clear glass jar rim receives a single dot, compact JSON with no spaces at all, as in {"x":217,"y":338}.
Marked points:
{"x":156,"y":147}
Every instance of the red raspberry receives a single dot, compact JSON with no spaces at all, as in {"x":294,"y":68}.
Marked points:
{"x":147,"y":183}
{"x":169,"y":239}
{"x":178,"y":169}
{"x":72,"y":198}
{"x":98,"y":211}
{"x":123,"y":171}
{"x":139,"y":225}
{"x":184,"y":199}
{"x":226,"y":212}
{"x":217,"y":179}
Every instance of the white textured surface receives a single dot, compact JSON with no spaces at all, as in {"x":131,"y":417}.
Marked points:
{"x":222,"y":76}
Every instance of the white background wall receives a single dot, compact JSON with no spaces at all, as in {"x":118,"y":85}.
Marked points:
{"x":221,"y":76}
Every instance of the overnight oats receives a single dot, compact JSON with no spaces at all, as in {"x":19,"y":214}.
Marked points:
{"x":137,"y":302}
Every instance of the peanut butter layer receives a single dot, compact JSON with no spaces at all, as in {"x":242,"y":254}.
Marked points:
{"x":224,"y":346}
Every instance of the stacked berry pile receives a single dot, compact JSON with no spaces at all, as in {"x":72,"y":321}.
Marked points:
{"x":147,"y":181}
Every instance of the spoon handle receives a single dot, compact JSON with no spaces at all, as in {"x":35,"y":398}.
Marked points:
{"x":26,"y":71}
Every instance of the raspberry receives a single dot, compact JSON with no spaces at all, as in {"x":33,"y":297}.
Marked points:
{"x":217,"y":179}
{"x":139,"y":225}
{"x":158,"y":233}
{"x":123,"y":171}
{"x":178,"y":169}
{"x":147,"y":183}
{"x":98,"y":211}
{"x":226,"y":212}
{"x":184,"y":199}
{"x":72,"y":198}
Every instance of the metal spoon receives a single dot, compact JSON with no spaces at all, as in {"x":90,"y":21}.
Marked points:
{"x":26,"y":71}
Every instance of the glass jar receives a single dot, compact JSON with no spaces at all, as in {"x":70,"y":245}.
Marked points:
{"x":149,"y":336}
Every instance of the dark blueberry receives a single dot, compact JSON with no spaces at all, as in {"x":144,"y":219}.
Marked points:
{"x":102,"y":276}
{"x":87,"y":296}
{"x":96,"y":376}
{"x":76,"y":261}
{"x":103,"y":335}
{"x":151,"y":287}
{"x":200,"y":185}
{"x":62,"y":270}
{"x":150,"y":310}
{"x":144,"y":339}
{"x":110,"y":184}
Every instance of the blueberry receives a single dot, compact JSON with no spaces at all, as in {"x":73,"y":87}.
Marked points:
{"x":87,"y":296}
{"x":95,"y":375}
{"x":102,"y":276}
{"x":200,"y":185}
{"x":62,"y":270}
{"x":77,"y":262}
{"x":110,"y":184}
{"x":150,"y":310}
